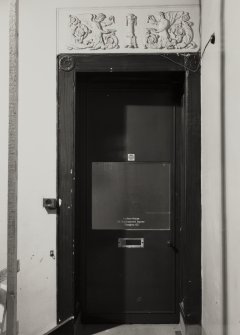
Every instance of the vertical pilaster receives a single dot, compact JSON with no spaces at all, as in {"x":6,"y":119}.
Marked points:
{"x":12,"y":171}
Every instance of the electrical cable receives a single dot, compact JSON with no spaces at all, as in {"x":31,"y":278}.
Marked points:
{"x":211,"y":40}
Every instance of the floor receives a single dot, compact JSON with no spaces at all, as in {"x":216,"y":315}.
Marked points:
{"x":143,"y":330}
{"x":135,"y":329}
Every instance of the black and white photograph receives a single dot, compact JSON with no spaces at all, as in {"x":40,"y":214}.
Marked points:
{"x":119,"y":167}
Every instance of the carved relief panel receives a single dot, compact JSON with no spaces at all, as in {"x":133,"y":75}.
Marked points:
{"x":129,"y":30}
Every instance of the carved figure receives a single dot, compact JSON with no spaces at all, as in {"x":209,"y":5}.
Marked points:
{"x":92,"y":34}
{"x":159,"y":32}
{"x":131,"y":23}
{"x":80,"y":32}
{"x":104,"y":38}
{"x":169,"y":30}
{"x":172,"y":30}
{"x":183,"y":33}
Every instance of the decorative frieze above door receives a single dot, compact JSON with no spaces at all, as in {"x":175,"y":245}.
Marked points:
{"x":167,"y":29}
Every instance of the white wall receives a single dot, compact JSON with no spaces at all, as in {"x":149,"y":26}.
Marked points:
{"x":37,"y":152}
{"x":211,"y":173}
{"x":232,"y":131}
{"x":212,"y":233}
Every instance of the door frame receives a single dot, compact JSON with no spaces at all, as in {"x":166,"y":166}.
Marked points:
{"x":189,"y":242}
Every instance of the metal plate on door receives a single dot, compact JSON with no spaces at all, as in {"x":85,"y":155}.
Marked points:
{"x":127,"y":242}
{"x":131,"y":157}
{"x":131,"y":195}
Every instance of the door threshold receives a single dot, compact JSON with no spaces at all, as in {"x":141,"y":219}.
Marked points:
{"x":76,"y":328}
{"x":129,"y":329}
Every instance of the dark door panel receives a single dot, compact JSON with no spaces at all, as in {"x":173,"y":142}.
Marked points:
{"x":131,"y":279}
{"x":124,"y":121}
{"x":125,"y":195}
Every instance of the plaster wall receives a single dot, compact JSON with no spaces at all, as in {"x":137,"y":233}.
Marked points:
{"x":232,"y":140}
{"x":219,"y":309}
{"x":212,"y":286}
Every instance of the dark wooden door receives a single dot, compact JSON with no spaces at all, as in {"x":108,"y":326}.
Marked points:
{"x":125,"y":198}
{"x":75,"y":72}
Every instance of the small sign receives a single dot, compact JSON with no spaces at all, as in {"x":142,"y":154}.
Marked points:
{"x":131,"y":157}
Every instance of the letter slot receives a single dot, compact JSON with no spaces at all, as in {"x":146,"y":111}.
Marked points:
{"x":136,"y":242}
